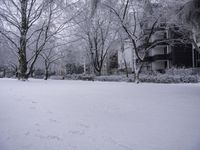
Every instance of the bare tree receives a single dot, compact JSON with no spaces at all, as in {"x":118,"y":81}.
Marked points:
{"x":50,"y":57}
{"x":140,"y":22}
{"x":190,"y":12}
{"x":189,"y":18}
{"x":99,"y":44}
{"x":99,"y":35}
{"x":29,"y":26}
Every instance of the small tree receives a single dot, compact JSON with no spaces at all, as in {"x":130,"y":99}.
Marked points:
{"x":50,"y":57}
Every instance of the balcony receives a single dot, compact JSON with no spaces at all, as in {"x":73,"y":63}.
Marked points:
{"x":158,"y":57}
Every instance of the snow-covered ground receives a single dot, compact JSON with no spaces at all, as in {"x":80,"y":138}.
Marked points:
{"x":81,"y":115}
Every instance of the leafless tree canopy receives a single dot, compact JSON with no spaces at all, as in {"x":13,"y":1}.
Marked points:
{"x":30,"y":28}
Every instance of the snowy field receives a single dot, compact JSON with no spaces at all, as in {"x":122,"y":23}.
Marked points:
{"x":81,"y":115}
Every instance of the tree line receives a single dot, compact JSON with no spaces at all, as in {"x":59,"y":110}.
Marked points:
{"x":45,"y":29}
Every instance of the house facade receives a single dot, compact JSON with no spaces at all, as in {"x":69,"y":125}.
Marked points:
{"x":164,"y":56}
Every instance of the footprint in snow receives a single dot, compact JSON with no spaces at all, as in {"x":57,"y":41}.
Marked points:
{"x":27,"y":133}
{"x":38,"y":130}
{"x":76,"y":132}
{"x":34,"y":102}
{"x":48,"y":137}
{"x":49,"y":112}
{"x":33,"y":108}
{"x":26,"y":146}
{"x":37,"y":124}
{"x":111,"y":140}
{"x":53,"y":120}
{"x":19,"y":100}
{"x":8,"y":138}
{"x":84,"y":125}
{"x":125,"y":147}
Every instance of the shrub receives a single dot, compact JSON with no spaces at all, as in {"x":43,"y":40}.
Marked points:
{"x":166,"y":78}
{"x":109,"y":78}
{"x":173,"y":75}
{"x":79,"y":77}
{"x":179,"y":71}
{"x":56,"y":77}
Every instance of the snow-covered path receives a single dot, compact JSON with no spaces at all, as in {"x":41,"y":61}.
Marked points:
{"x":80,"y":115}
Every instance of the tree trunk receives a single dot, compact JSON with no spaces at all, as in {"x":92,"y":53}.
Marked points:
{"x":46,"y":74}
{"x":22,"y":50}
{"x":137,"y":79}
{"x":32,"y":73}
{"x":126,"y":68}
{"x":98,"y":72}
{"x":97,"y":69}
{"x":137,"y":72}
{"x":46,"y":70}
{"x":4,"y":73}
{"x":22,"y":66}
{"x":16,"y":73}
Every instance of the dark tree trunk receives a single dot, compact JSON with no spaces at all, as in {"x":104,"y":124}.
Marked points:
{"x":46,"y":70}
{"x":22,"y":67}
{"x":46,"y":74}
{"x":98,"y":73}
{"x":22,"y":51}
{"x":32,"y":73}
{"x":97,"y":70}
{"x":4,"y":73}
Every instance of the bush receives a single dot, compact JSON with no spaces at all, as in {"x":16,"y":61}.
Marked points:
{"x":166,"y":78}
{"x":170,"y":76}
{"x":80,"y":77}
{"x":189,"y":79}
{"x":56,"y":77}
{"x":86,"y":77}
{"x":109,"y":78}
{"x":179,"y":71}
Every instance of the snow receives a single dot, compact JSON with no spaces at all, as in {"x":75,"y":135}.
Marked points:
{"x":81,"y":115}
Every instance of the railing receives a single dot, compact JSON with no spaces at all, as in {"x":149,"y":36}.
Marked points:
{"x":158,"y":57}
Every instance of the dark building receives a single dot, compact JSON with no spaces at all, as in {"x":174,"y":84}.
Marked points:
{"x":166,"y":55}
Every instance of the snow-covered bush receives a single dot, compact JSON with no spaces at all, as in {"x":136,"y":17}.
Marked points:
{"x":189,"y":79}
{"x":116,"y":78}
{"x":110,"y":78}
{"x":166,"y":78}
{"x":79,"y":77}
{"x":171,"y":76}
{"x":56,"y":77}
{"x":86,"y":77}
{"x":71,"y":77}
{"x":179,"y":71}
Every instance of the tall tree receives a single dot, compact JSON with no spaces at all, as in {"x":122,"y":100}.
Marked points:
{"x":140,"y":21}
{"x":98,"y":34}
{"x":190,"y":12}
{"x":28,"y":27}
{"x":189,"y":15}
